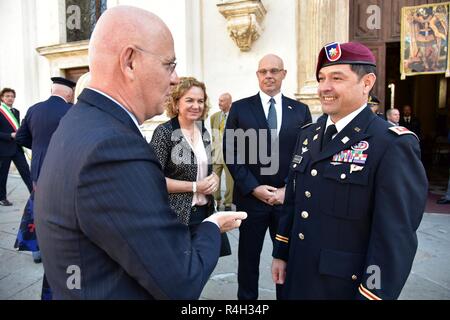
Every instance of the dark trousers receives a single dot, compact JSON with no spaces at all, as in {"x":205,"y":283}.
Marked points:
{"x":22,"y":166}
{"x":251,"y":239}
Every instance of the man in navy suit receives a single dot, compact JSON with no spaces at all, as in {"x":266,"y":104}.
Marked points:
{"x":41,"y":121}
{"x":103,"y":220}
{"x":259,"y":163}
{"x":9,"y":150}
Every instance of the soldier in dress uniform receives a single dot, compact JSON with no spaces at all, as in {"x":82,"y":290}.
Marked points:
{"x":41,"y":121}
{"x":355,"y":196}
{"x":374,"y":105}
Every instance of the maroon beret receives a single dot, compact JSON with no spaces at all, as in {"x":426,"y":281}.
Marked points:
{"x":346,"y":53}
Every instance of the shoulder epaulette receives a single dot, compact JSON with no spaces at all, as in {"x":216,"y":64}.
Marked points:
{"x":402,"y":130}
{"x":307,"y":125}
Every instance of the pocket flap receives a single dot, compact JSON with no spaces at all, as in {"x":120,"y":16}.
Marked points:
{"x":299,"y":163}
{"x":342,"y":174}
{"x":341,"y":264}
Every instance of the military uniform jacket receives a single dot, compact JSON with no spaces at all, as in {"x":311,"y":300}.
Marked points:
{"x":351,"y":212}
{"x":37,"y":128}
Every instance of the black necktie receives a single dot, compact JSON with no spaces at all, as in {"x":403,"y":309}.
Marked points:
{"x":328,"y":136}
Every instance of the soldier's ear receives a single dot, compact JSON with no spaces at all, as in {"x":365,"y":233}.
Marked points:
{"x":369,"y":81}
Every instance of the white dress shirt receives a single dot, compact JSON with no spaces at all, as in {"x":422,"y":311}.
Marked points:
{"x":202,"y":165}
{"x":341,"y":124}
{"x":265,"y":101}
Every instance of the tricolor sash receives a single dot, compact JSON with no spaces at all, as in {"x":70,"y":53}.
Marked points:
{"x":6,"y":112}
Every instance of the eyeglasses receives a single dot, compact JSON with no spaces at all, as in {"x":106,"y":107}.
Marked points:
{"x":170,"y":66}
{"x":273,"y":71}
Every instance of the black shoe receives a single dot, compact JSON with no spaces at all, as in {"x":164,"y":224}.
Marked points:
{"x":443,"y":201}
{"x":36,"y":256}
{"x":228,"y":208}
{"x":5,"y":203}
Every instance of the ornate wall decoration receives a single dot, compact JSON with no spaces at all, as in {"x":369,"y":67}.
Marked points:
{"x":244,"y":19}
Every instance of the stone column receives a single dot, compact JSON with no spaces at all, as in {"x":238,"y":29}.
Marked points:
{"x":319,"y":22}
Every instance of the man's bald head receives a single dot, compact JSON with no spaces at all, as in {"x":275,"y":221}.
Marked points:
{"x":62,"y":91}
{"x":129,"y":51}
{"x":225,"y":102}
{"x":121,"y":26}
{"x":271,"y":74}
{"x":273,"y":59}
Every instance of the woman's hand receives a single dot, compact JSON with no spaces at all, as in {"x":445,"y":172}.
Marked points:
{"x":208,"y":185}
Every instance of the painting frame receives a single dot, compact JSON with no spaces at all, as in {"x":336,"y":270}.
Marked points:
{"x":424,"y":44}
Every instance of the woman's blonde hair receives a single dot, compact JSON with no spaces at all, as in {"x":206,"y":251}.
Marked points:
{"x":82,"y":83}
{"x":180,"y":90}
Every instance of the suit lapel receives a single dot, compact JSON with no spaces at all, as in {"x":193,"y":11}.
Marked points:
{"x":258,"y":112}
{"x":179,"y":138}
{"x":286,"y":115}
{"x":207,"y":144}
{"x":105,"y":104}
{"x":350,"y":135}
{"x":315,"y":139}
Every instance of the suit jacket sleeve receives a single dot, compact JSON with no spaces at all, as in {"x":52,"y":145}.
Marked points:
{"x":281,"y":244}
{"x":308,"y":118}
{"x":212,"y":121}
{"x":23,"y":134}
{"x":400,"y":196}
{"x":123,"y":209}
{"x":5,"y":136}
{"x":242,"y":176}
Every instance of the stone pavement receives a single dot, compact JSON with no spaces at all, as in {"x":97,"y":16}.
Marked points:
{"x":21,"y":278}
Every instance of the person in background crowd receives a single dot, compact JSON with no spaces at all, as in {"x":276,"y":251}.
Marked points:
{"x":35,"y":133}
{"x":274,"y":121}
{"x":9,"y":149}
{"x":183,"y":147}
{"x":218,"y":121}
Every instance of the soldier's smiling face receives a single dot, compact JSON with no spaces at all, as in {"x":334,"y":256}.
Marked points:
{"x":341,"y":91}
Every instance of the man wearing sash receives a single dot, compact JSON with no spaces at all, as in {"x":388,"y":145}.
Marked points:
{"x":9,"y":150}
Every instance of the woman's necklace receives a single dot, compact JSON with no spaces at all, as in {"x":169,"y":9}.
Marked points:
{"x":190,"y":134}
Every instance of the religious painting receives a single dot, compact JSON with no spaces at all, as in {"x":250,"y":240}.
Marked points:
{"x":424,"y":40}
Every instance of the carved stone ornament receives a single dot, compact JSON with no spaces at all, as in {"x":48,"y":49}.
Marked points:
{"x":244,"y":18}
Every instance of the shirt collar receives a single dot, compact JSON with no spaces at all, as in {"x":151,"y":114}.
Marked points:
{"x":125,"y":109}
{"x":265,"y":98}
{"x":341,"y":124}
{"x":55,"y":95}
